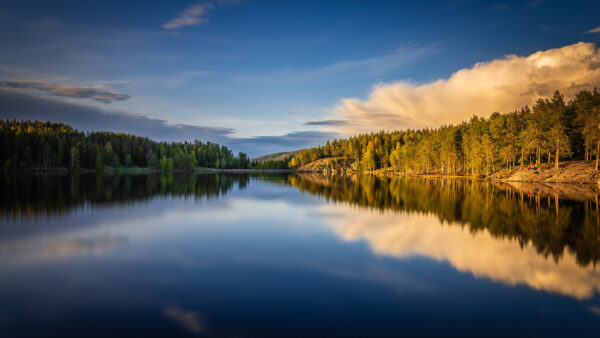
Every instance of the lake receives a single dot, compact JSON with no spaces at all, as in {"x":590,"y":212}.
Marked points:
{"x":265,"y":255}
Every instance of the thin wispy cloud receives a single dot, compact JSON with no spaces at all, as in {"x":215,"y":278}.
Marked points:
{"x":326,"y":123}
{"x":592,"y":31}
{"x":197,"y":14}
{"x":500,"y":85}
{"x":374,"y":66}
{"x":97,"y":93}
{"x":535,"y":3}
{"x":292,"y":113}
{"x":19,"y":72}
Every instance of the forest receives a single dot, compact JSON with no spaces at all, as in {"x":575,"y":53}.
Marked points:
{"x":47,"y":145}
{"x":550,"y":131}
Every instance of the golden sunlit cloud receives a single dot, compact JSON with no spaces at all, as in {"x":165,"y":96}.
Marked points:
{"x":501,"y":85}
{"x":592,"y":31}
{"x":501,"y":260}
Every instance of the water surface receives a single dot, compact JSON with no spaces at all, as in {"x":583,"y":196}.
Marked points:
{"x":286,"y":255}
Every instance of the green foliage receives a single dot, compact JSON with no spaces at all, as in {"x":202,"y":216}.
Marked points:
{"x":127,"y":160}
{"x":368,"y":159}
{"x":271,"y":164}
{"x":74,"y":158}
{"x":35,"y":144}
{"x":550,"y":130}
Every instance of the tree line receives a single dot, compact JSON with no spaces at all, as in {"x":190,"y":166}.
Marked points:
{"x":46,"y":145}
{"x":549,"y":131}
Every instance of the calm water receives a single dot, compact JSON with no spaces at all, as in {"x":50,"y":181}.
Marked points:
{"x":283,"y":256}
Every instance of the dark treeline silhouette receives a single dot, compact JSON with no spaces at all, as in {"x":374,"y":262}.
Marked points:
{"x":46,"y":145}
{"x":551,"y":224}
{"x":550,"y":131}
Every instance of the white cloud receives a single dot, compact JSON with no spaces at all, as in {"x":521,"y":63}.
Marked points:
{"x":196,"y":14}
{"x":592,"y":31}
{"x":500,"y":85}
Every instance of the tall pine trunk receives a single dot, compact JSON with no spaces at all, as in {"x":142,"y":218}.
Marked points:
{"x":557,"y":154}
{"x":522,"y":159}
{"x":597,"y":153}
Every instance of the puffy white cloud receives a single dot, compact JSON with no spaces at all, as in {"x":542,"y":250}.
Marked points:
{"x":500,"y":85}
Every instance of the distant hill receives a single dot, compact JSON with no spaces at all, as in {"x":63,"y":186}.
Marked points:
{"x":276,"y":156}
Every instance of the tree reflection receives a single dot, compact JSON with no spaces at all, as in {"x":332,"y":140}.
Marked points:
{"x":549,"y":219}
{"x":549,"y":223}
{"x":40,"y":195}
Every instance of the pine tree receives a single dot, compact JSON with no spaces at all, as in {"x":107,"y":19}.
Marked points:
{"x":368,"y":159}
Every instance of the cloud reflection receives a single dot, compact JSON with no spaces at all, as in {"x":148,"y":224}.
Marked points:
{"x":189,"y":320}
{"x":502,"y":260}
{"x":97,"y":245}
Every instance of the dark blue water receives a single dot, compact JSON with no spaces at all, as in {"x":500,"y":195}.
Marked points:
{"x":287,"y":256}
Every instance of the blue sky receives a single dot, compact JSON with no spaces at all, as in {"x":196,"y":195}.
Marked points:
{"x":252,"y":74}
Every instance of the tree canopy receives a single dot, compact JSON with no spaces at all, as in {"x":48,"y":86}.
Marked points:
{"x":45,"y":145}
{"x":549,"y":131}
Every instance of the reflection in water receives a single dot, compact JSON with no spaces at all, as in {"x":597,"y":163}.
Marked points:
{"x":50,"y":247}
{"x":550,"y":225}
{"x":492,"y":231}
{"x":41,"y":195}
{"x":262,"y":255}
{"x":481,"y":254}
{"x":189,"y":320}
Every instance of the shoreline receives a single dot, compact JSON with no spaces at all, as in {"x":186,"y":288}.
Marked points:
{"x":139,"y":170}
{"x":569,"y":172}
